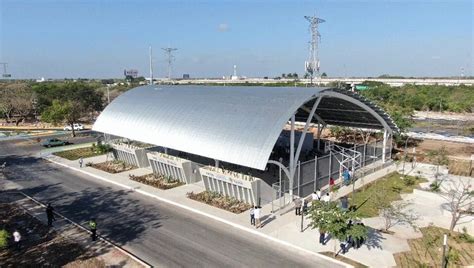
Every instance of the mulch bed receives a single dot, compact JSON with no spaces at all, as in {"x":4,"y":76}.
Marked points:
{"x":157,"y":181}
{"x":427,"y":250}
{"x":112,"y":166}
{"x":217,"y":200}
{"x":40,"y":246}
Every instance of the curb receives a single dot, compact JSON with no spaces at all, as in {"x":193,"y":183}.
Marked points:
{"x":238,"y":226}
{"x":129,"y":254}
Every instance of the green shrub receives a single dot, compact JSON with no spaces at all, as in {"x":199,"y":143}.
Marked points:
{"x":453,"y":256}
{"x":435,"y":186}
{"x":465,"y":236}
{"x":4,"y":235}
{"x":409,"y":181}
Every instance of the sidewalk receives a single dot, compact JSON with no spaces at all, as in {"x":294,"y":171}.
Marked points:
{"x":112,"y":256}
{"x":284,"y":229}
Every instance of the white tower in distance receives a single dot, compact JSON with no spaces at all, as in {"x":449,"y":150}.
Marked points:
{"x":234,"y":76}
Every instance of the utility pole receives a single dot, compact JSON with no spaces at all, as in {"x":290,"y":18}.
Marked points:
{"x":151,"y":65}
{"x":312,"y":64}
{"x":169,"y":51}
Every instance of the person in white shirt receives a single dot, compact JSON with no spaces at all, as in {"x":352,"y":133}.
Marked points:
{"x":326,"y":198}
{"x":17,"y":239}
{"x":256,"y":213}
{"x":318,"y":193}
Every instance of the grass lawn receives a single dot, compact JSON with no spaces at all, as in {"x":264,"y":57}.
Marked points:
{"x":75,"y":154}
{"x":391,"y":183}
{"x":427,"y":250}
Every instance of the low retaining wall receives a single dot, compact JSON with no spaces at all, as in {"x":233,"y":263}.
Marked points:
{"x":245,"y":188}
{"x":131,"y":155}
{"x":178,"y":168}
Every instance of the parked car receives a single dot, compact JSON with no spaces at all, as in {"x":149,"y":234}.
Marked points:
{"x":76,"y":127}
{"x":53,"y":142}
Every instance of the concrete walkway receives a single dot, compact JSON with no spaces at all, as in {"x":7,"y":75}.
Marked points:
{"x":284,"y":229}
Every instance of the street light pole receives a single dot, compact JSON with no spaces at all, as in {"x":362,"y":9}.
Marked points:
{"x":405,"y":156}
{"x":445,"y":243}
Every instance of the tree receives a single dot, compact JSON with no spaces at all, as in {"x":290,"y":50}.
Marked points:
{"x":394,"y":213}
{"x":459,"y":194}
{"x":283,"y":75}
{"x":324,"y":75}
{"x":328,"y":216}
{"x":72,"y":102}
{"x":16,"y":100}
{"x":439,"y":157}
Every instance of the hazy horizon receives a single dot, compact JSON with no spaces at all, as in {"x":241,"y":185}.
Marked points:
{"x":99,"y":39}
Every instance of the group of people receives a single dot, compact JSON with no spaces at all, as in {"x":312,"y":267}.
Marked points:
{"x":350,"y":241}
{"x":301,"y":204}
{"x":255,"y":215}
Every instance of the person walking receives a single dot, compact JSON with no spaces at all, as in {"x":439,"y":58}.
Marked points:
{"x":93,"y":227}
{"x":322,"y":237}
{"x":17,"y":239}
{"x":257,"y":216}
{"x":304,"y":206}
{"x":80,"y":162}
{"x":50,"y":214}
{"x":298,"y":203}
{"x":252,"y":216}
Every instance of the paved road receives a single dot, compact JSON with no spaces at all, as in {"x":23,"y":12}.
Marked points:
{"x":161,"y":234}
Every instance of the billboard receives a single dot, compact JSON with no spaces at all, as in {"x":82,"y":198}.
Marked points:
{"x":131,"y":72}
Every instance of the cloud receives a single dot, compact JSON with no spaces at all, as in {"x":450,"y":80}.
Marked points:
{"x":223,"y":27}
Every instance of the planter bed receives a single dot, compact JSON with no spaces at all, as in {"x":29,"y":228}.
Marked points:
{"x":75,"y":154}
{"x":157,"y":181}
{"x":112,"y":166}
{"x":217,"y":200}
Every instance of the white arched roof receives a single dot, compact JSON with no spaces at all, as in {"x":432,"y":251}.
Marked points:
{"x":238,"y":125}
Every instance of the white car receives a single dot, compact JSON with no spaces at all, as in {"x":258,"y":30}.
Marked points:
{"x":76,"y":127}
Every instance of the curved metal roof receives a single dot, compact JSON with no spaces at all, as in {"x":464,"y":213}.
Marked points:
{"x":238,"y":125}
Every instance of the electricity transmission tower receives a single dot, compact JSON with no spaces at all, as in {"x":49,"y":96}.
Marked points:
{"x":169,"y":51}
{"x":312,"y":65}
{"x":151,"y":65}
{"x":5,"y":74}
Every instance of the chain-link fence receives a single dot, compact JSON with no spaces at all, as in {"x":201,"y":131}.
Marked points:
{"x":316,"y":173}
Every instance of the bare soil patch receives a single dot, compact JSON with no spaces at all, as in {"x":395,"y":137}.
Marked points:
{"x":427,"y":250}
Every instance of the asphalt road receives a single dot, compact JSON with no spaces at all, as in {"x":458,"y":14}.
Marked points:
{"x":163,"y":235}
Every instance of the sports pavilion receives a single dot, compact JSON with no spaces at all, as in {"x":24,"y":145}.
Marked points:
{"x":238,"y":127}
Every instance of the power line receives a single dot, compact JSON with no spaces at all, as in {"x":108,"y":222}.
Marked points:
{"x":169,"y":51}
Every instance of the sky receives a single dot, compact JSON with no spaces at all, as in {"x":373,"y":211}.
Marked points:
{"x":101,"y":38}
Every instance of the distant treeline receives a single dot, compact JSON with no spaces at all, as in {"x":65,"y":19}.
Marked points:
{"x":422,"y":97}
